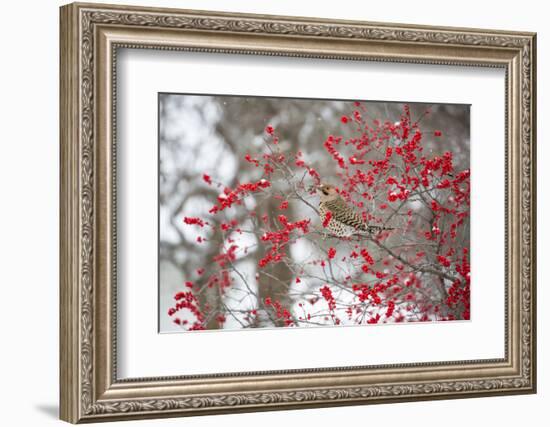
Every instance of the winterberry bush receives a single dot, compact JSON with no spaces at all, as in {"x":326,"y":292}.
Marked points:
{"x":270,"y":260}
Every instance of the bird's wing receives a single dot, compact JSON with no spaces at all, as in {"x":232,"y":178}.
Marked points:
{"x":345,"y":214}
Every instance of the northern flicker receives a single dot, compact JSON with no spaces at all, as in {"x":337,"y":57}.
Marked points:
{"x":343,"y":221}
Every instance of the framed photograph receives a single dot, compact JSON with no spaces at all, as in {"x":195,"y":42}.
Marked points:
{"x":267,"y":212}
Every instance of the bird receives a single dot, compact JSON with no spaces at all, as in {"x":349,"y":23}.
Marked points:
{"x":343,"y":221}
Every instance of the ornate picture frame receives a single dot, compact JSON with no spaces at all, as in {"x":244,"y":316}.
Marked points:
{"x":90,"y":37}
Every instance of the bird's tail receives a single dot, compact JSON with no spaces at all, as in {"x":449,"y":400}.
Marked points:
{"x":375,"y":229}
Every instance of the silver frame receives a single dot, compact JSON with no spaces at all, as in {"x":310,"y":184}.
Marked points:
{"x":90,"y":37}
